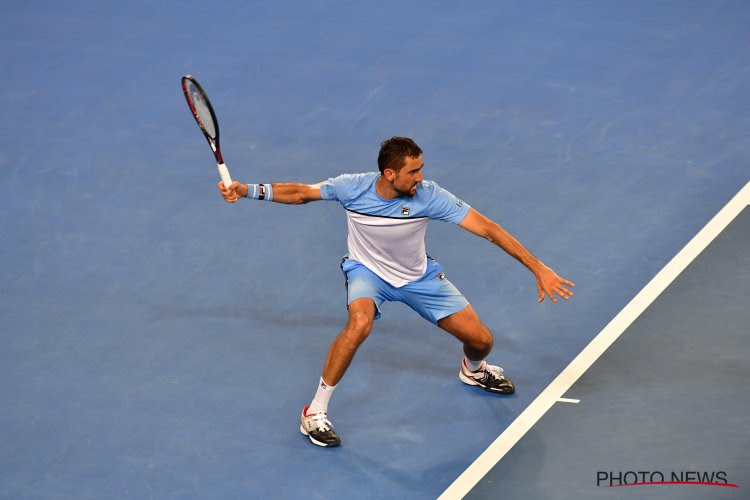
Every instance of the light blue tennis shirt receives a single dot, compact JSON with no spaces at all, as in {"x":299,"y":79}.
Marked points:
{"x":387,"y":236}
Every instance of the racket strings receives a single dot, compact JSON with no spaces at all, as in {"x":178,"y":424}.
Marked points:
{"x":202,"y":110}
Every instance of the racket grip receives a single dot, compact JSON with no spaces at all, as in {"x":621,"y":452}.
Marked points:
{"x":224,"y":173}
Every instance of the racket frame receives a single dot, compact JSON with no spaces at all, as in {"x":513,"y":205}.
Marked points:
{"x":213,"y":142}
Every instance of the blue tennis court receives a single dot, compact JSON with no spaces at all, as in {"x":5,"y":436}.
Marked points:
{"x":160,"y":343}
{"x":664,"y":410}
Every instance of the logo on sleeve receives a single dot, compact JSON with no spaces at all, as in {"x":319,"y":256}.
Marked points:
{"x":404,"y":210}
{"x":459,"y":203}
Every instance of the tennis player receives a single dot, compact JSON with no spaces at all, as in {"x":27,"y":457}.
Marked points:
{"x":387,"y":214}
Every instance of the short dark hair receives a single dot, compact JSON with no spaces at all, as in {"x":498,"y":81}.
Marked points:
{"x":393,"y":153}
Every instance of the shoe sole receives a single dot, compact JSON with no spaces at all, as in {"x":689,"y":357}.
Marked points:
{"x":471,"y":381}
{"x":315,"y":441}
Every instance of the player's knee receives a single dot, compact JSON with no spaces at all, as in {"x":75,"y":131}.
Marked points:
{"x":483,"y":341}
{"x":359,"y":327}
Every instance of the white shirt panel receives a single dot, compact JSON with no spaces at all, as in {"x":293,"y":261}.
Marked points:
{"x":391,"y":248}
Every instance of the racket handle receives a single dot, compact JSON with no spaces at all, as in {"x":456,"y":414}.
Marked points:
{"x":224,"y":173}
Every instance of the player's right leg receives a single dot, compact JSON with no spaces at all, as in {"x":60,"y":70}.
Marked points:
{"x":341,"y":353}
{"x":314,"y":421}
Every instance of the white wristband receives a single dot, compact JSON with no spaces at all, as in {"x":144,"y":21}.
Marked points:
{"x":260,"y":192}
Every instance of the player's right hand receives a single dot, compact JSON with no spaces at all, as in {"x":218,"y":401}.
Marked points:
{"x":230,"y":194}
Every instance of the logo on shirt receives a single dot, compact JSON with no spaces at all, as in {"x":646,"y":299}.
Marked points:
{"x":460,"y":203}
{"x":404,"y":210}
{"x":441,"y":276}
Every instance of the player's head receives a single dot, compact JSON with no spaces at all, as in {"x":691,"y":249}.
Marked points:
{"x":400,"y":162}
{"x":395,"y":151}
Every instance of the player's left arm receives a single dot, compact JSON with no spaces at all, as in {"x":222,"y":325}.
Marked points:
{"x":547,"y":281}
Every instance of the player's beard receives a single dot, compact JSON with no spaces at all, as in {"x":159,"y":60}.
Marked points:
{"x":408,"y":193}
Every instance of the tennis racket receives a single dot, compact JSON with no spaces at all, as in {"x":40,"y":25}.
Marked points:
{"x":204,"y":114}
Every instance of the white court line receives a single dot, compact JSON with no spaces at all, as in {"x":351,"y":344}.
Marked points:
{"x":529,"y":417}
{"x":568,"y":400}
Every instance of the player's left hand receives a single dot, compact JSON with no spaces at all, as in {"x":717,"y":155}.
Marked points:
{"x":549,"y":283}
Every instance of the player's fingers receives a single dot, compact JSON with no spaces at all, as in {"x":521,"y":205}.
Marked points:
{"x":229,"y":197}
{"x":570,"y":283}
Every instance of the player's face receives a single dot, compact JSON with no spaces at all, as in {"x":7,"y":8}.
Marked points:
{"x":409,"y":176}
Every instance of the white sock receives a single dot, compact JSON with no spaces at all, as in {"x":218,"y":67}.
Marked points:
{"x":472,"y":365}
{"x":322,"y":395}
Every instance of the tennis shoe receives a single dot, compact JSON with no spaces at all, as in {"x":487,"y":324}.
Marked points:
{"x":318,"y":429}
{"x":488,"y":377}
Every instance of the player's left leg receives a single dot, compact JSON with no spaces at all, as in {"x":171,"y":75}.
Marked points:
{"x":466,"y":326}
{"x":438,"y":300}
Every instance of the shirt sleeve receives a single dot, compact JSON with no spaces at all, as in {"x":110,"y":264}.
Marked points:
{"x":445,"y":206}
{"x":342,"y":188}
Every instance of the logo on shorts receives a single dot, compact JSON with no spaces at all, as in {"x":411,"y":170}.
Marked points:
{"x":441,"y":276}
{"x":404,"y":210}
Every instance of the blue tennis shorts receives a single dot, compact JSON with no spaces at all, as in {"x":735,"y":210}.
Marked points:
{"x":432,"y":295}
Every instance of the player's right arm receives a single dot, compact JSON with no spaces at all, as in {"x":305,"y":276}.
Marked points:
{"x":291,"y":193}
